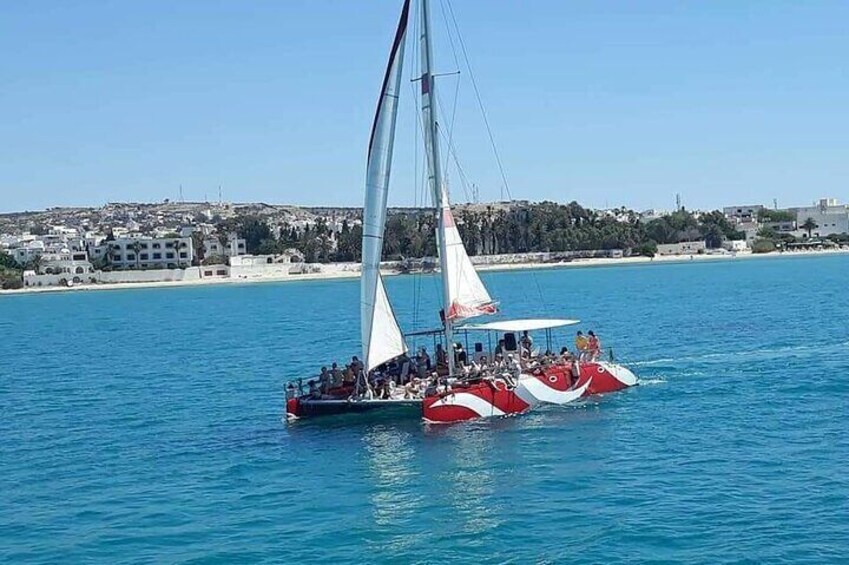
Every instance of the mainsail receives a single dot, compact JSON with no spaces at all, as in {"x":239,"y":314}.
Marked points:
{"x":381,"y":337}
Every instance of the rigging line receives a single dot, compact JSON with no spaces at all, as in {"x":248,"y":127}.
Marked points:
{"x":457,"y":84}
{"x":480,"y":101}
{"x":450,"y":137}
{"x":464,"y":181}
{"x":419,"y":131}
{"x":450,"y":37}
{"x":450,"y":145}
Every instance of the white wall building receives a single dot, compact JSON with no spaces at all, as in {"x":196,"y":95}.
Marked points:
{"x":683,"y":248}
{"x":830,"y":217}
{"x":28,"y":251}
{"x":235,"y":247}
{"x":146,"y":252}
{"x":748,"y":212}
{"x":735,"y":245}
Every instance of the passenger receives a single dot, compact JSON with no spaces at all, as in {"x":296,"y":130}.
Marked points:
{"x":513,"y":370}
{"x":413,"y":389}
{"x":356,"y":364}
{"x":565,"y":356}
{"x":462,"y":357}
{"x":336,"y":373}
{"x":526,"y":342}
{"x":314,"y":392}
{"x":441,"y":360}
{"x":498,"y":362}
{"x":348,"y":375}
{"x":499,"y":349}
{"x":422,"y":363}
{"x":593,"y":347}
{"x":325,"y":380}
{"x":427,"y":360}
{"x":441,"y":356}
{"x":581,"y":346}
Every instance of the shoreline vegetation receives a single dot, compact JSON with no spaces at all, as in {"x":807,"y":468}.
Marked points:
{"x":342,"y":271}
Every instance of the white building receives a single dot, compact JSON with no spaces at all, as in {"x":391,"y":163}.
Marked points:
{"x":683,"y":248}
{"x":748,"y":227}
{"x":745,"y":213}
{"x":735,"y":245}
{"x":146,"y":253}
{"x":28,"y":251}
{"x":830,"y":217}
{"x":235,"y":247}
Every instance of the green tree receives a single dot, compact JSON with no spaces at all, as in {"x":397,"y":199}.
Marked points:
{"x":763,"y":246}
{"x":8,"y":262}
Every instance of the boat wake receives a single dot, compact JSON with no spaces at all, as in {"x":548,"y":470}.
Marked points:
{"x":647,"y":382}
{"x":748,"y":355}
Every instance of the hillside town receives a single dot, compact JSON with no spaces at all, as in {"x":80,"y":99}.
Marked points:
{"x":169,"y":241}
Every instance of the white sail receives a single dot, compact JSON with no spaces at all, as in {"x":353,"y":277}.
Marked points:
{"x":382,"y":339}
{"x":467,"y":295}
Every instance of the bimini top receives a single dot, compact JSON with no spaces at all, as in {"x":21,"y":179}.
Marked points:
{"x":519,"y":325}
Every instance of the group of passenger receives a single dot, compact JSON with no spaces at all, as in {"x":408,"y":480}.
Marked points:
{"x":411,"y":377}
{"x":588,"y":346}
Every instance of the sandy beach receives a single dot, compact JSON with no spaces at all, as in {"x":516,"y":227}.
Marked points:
{"x":342,"y":271}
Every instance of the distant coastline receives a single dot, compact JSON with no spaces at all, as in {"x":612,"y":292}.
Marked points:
{"x":336,"y":271}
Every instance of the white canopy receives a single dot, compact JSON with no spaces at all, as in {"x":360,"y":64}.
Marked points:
{"x":520,"y":325}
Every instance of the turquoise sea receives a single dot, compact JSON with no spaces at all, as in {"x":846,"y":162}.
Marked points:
{"x":144,"y":426}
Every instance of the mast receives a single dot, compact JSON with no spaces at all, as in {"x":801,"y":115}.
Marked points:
{"x":431,"y":139}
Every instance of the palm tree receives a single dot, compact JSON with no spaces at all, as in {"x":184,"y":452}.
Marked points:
{"x":809,"y":226}
{"x":177,"y":252}
{"x":136,"y":248}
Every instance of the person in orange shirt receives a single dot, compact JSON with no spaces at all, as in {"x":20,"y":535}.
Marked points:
{"x":581,"y":346}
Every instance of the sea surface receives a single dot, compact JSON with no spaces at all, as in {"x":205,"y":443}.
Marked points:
{"x":145,"y":426}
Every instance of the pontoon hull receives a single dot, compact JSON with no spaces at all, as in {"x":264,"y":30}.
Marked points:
{"x":554,"y":385}
{"x":607,"y":377}
{"x":494,"y":398}
{"x":484,"y":399}
{"x":305,"y":407}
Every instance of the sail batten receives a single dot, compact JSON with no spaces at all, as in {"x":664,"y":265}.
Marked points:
{"x":381,"y":336}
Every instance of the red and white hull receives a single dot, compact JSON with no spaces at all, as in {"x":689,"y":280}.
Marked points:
{"x":494,"y":398}
{"x":607,"y":377}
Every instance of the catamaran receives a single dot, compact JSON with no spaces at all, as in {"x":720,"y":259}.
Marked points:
{"x":517,"y":382}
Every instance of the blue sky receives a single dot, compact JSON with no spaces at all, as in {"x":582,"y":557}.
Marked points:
{"x":607,"y":103}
